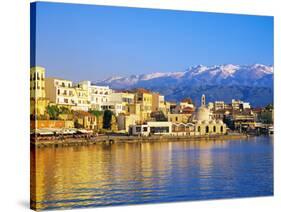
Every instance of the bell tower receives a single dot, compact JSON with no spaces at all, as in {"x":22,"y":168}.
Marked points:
{"x":203,"y":100}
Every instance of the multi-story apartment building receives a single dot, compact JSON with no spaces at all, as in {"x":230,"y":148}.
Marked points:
{"x":144,"y":98}
{"x":98,"y":95}
{"x":64,"y":93}
{"x":38,"y":101}
{"x":82,"y":98}
{"x":219,"y":105}
{"x":158,"y":102}
{"x":122,"y":98}
{"x":61,"y":92}
{"x":240,"y":105}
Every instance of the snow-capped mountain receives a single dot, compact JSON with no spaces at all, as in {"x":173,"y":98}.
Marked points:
{"x":252,"y":75}
{"x":221,"y":82}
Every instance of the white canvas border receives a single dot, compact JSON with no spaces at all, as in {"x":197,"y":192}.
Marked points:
{"x":14,"y":107}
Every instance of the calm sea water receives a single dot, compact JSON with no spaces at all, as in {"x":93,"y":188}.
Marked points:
{"x":119,"y":174}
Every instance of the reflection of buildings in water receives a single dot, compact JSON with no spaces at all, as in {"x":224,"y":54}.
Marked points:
{"x":59,"y":170}
{"x":98,"y":172}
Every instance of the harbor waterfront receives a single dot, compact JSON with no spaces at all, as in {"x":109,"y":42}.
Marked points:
{"x":151,"y":172}
{"x":47,"y":141}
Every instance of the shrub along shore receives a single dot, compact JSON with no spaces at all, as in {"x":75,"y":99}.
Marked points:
{"x":111,"y":139}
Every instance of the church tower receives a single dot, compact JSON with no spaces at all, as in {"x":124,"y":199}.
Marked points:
{"x":203,"y":101}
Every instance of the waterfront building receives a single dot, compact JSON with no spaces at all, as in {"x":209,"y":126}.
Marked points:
{"x":124,"y":121}
{"x":219,"y":105}
{"x":98,"y":95}
{"x":122,"y":98}
{"x":115,"y":107}
{"x":179,"y":117}
{"x":38,"y":100}
{"x":158,"y":102}
{"x":144,"y":98}
{"x":240,"y":105}
{"x":82,"y":98}
{"x":204,"y":122}
{"x":183,"y":129}
{"x":61,"y":92}
{"x":187,"y":102}
{"x":151,"y":128}
{"x":85,"y":120}
{"x":242,"y":120}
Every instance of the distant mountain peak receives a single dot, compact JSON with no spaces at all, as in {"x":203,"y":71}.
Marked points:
{"x":177,"y":85}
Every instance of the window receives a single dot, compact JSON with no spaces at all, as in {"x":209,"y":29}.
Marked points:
{"x":138,"y":129}
{"x":199,"y":129}
{"x":58,"y":91}
{"x":64,"y":93}
{"x":65,"y":100}
{"x":207,"y":129}
{"x":145,"y":129}
{"x":62,"y":84}
{"x":221,"y":128}
{"x":176,"y":118}
{"x":214,"y":128}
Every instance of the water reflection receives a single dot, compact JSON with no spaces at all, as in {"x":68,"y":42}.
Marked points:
{"x":100,"y":175}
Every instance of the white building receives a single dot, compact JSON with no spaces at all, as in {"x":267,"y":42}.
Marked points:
{"x":60,"y":91}
{"x":238,"y":104}
{"x":98,"y":95}
{"x":64,"y":93}
{"x":150,"y":128}
{"x":219,"y":105}
{"x":115,"y":107}
{"x":204,"y":123}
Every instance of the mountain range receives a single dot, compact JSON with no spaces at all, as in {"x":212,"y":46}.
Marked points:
{"x":252,"y":83}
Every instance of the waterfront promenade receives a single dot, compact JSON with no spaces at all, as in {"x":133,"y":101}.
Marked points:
{"x":110,"y":139}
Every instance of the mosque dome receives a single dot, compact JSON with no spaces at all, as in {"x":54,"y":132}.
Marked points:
{"x":203,"y":114}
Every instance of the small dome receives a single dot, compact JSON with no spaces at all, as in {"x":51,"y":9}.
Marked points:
{"x":203,"y":114}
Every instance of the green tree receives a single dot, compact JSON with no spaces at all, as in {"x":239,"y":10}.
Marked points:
{"x":107,"y":119}
{"x":269,"y":107}
{"x":53,"y":111}
{"x":96,"y":113}
{"x":64,"y":110}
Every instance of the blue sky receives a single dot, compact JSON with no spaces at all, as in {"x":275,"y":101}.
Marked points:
{"x":79,"y":42}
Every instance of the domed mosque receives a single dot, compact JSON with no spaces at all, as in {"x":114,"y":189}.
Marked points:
{"x":204,"y":122}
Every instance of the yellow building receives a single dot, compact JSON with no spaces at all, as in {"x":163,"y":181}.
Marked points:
{"x":179,"y":117}
{"x":158,"y":102}
{"x":82,"y":98}
{"x":85,"y":120}
{"x":38,"y":101}
{"x":144,"y":98}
